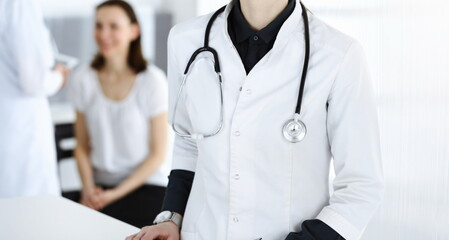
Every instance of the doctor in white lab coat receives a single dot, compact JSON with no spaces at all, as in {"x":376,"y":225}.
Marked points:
{"x":27,"y":147}
{"x":249,"y":182}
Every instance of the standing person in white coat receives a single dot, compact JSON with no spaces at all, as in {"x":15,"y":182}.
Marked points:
{"x":27,"y":78}
{"x":251,"y":166}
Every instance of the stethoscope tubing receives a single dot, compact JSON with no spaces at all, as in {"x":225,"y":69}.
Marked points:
{"x":198,"y":136}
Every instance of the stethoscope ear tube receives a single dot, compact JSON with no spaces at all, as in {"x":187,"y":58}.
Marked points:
{"x":175,"y":108}
{"x":200,"y":50}
{"x":306,"y":58}
{"x":206,"y":47}
{"x":209,"y":25}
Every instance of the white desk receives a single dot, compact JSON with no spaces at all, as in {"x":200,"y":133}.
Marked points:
{"x":56,"y":218}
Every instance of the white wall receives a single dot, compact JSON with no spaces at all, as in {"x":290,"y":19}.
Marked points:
{"x":58,"y":7}
{"x":74,"y":22}
{"x":207,"y":6}
{"x":182,"y":9}
{"x":186,"y":9}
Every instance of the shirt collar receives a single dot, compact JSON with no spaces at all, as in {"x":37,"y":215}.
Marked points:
{"x":243,"y":31}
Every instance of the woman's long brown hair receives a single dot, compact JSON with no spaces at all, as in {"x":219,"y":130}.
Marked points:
{"x":136,"y":61}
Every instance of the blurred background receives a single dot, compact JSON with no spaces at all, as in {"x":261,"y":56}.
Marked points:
{"x":407,"y":44}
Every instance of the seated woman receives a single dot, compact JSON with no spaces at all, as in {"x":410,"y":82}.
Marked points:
{"x":121,"y":125}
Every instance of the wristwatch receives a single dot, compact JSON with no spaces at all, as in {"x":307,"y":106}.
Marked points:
{"x":167,"y":216}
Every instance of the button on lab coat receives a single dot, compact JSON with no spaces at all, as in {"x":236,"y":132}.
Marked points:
{"x":27,"y":150}
{"x":249,"y":181}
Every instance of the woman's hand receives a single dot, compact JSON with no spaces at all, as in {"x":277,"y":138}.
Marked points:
{"x":106,"y":197}
{"x":162,"y":231}
{"x":90,"y":197}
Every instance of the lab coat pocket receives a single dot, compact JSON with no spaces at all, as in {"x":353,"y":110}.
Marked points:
{"x":190,"y":222}
{"x":187,"y":235}
{"x":203,"y":96}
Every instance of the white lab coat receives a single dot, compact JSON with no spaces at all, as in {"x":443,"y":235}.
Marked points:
{"x":27,"y":150}
{"x":249,"y":181}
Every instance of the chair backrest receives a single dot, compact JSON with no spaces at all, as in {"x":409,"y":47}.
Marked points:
{"x":64,"y":133}
{"x":68,"y":174}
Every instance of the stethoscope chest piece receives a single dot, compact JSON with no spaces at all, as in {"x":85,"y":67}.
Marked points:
{"x":294,"y":129}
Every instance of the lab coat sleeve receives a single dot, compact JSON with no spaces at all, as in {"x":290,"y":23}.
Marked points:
{"x":185,"y":151}
{"x":353,"y":134}
{"x":32,"y":50}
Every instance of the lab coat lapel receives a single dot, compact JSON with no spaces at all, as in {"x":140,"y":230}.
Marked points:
{"x":232,"y":66}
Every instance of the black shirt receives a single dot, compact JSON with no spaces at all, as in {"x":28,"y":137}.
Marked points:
{"x":252,"y":46}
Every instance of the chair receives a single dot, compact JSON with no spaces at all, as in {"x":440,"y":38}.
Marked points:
{"x":65,"y":144}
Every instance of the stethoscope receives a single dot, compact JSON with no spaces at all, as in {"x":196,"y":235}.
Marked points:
{"x":294,"y":130}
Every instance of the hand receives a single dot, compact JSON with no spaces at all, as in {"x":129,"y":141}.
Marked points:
{"x":162,"y":231}
{"x":64,"y":71}
{"x":90,"y":198}
{"x":106,"y":197}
